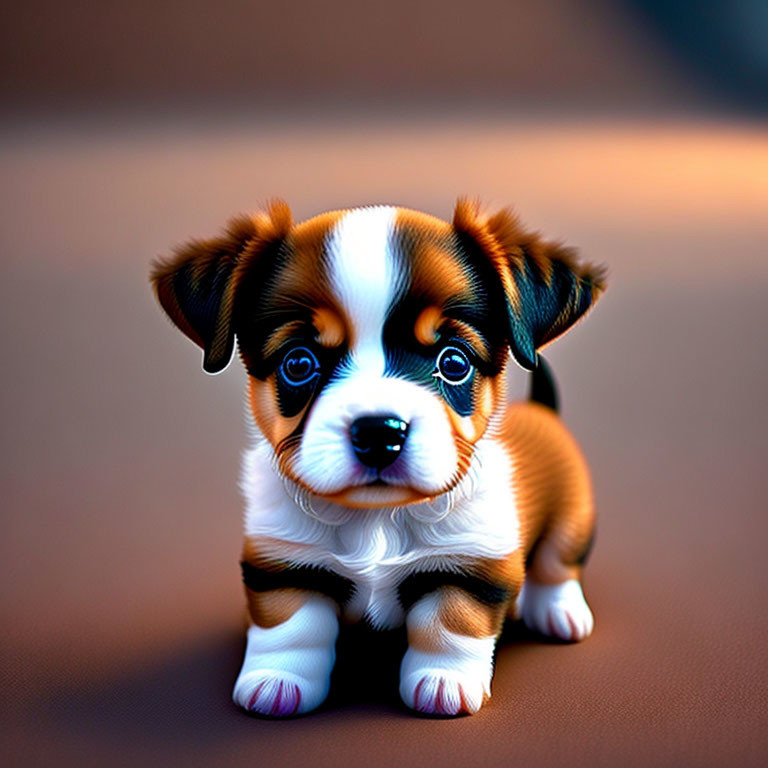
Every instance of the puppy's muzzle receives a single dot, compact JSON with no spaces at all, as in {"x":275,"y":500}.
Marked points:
{"x":378,"y":440}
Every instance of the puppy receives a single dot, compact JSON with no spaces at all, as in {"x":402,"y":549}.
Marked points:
{"x":389,"y":480}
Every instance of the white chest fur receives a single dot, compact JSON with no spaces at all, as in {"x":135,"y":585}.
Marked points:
{"x":377,"y":548}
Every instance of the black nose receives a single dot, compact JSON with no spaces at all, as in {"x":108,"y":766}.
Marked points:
{"x":378,"y":440}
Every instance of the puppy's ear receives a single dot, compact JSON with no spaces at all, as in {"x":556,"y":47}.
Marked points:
{"x":197,"y":287}
{"x":546,"y":289}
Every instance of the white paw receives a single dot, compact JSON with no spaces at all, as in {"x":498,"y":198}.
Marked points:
{"x":287,"y":668}
{"x":443,"y":692}
{"x":558,"y":610}
{"x":277,"y":694}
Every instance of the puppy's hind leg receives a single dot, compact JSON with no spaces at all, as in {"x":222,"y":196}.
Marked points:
{"x":557,"y":610}
{"x":554,"y":494}
{"x":552,"y":600}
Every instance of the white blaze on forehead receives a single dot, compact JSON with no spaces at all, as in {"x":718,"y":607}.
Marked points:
{"x":363,"y":276}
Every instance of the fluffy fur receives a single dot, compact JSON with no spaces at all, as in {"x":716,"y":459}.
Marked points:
{"x":388,"y":481}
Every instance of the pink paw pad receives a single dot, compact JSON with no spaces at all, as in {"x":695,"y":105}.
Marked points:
{"x":276,"y":698}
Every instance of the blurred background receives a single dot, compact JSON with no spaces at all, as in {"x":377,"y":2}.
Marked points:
{"x":634,"y":130}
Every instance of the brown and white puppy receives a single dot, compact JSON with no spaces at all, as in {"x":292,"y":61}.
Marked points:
{"x":389,"y":481}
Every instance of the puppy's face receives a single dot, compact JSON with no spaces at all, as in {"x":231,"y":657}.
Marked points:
{"x":375,"y":339}
{"x":374,"y":355}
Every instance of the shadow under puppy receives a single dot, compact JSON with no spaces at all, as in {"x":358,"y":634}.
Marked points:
{"x":389,"y":480}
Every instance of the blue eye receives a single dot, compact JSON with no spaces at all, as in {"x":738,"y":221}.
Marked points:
{"x":453,"y":366}
{"x":299,"y":366}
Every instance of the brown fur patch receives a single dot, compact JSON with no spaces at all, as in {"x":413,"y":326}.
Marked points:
{"x":490,"y":394}
{"x":273,"y":607}
{"x":437,"y":278}
{"x":552,"y":488}
{"x":331,"y":330}
{"x":262,"y":398}
{"x":260,"y":551}
{"x":427,"y":325}
{"x":424,"y":637}
{"x":303,"y":282}
{"x":281,"y":335}
{"x":268,"y":609}
{"x":329,"y":327}
{"x":508,"y":571}
{"x":460,"y":613}
{"x":470,"y":219}
{"x":431,"y":321}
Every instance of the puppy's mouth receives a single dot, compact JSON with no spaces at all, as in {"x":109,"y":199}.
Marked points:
{"x":377,"y":493}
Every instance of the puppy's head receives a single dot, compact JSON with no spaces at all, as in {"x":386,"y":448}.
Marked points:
{"x":375,"y":339}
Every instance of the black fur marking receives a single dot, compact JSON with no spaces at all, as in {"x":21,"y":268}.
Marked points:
{"x":461,"y":397}
{"x":543,"y":386}
{"x":578,"y":560}
{"x":199,"y":297}
{"x":419,"y":365}
{"x":254,"y":321}
{"x":490,"y":318}
{"x":531,"y":554}
{"x":313,"y":578}
{"x":545,"y":308}
{"x":584,"y":556}
{"x":409,"y":360}
{"x":291,"y":399}
{"x":482,"y":305}
{"x":412,"y":588}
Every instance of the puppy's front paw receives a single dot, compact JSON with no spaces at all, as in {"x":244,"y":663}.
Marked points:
{"x":445,"y":672}
{"x":443,"y":692}
{"x":277,"y":694}
{"x":287,"y":668}
{"x":557,"y":610}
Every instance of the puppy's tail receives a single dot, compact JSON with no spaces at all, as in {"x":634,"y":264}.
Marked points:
{"x":543,"y":386}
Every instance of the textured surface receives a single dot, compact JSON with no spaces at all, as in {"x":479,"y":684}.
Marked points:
{"x":121,"y":596}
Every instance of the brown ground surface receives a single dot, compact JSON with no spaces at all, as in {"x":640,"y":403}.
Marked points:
{"x":121,"y":603}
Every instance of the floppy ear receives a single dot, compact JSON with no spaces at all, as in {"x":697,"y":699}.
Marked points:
{"x":197,"y":287}
{"x":546,"y":289}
